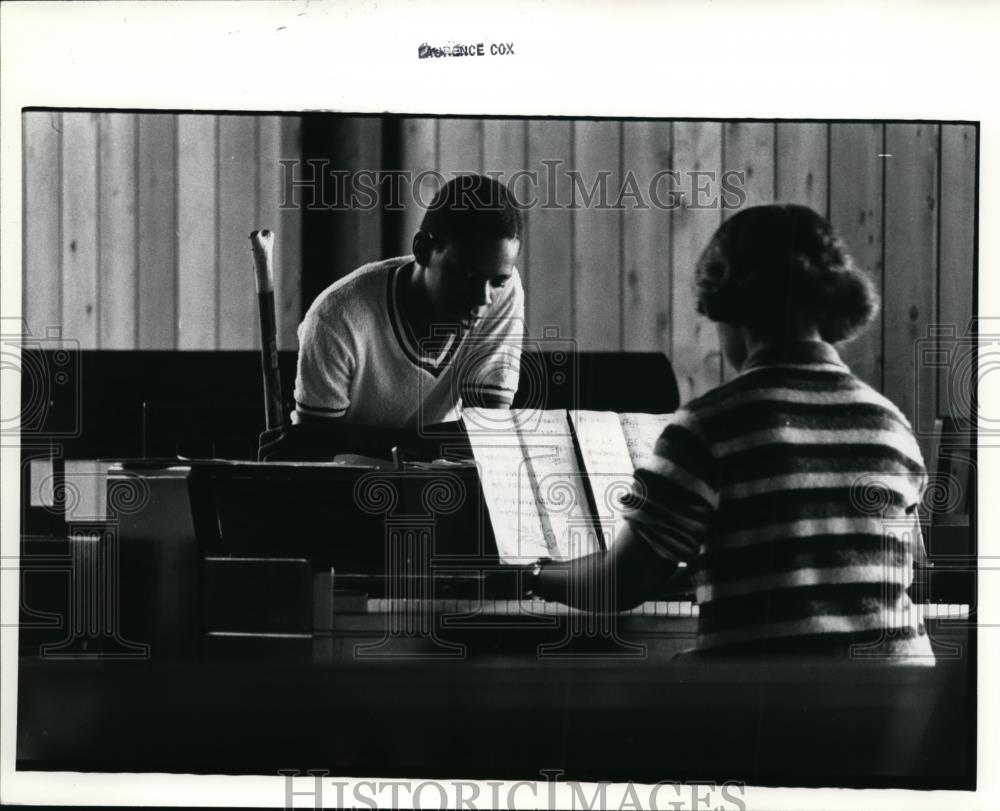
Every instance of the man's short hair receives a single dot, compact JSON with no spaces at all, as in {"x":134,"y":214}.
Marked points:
{"x":473,"y":207}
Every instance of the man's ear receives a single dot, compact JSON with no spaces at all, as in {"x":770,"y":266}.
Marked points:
{"x":423,"y":245}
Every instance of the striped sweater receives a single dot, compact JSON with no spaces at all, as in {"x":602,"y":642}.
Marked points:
{"x":791,"y":490}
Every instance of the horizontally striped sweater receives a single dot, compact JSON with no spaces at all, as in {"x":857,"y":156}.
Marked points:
{"x":791,"y":490}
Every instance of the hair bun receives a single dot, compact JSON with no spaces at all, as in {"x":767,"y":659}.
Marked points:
{"x":780,"y":270}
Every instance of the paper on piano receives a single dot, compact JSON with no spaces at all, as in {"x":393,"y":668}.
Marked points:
{"x":535,"y":492}
{"x":612,"y":447}
{"x":641,"y":432}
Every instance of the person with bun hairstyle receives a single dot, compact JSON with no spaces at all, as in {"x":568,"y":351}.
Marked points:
{"x":791,"y":490}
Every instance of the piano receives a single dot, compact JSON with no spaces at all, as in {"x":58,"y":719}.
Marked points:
{"x":256,"y":617}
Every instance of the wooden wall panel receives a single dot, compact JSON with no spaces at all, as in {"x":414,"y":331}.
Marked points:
{"x":646,"y":239}
{"x":134,"y":216}
{"x":238,"y":323}
{"x":358,"y":230}
{"x":504,"y":157}
{"x":288,"y":291}
{"x":958,"y":258}
{"x":597,"y":234}
{"x":748,"y":147}
{"x":419,"y":159}
{"x":856,"y":213}
{"x":696,"y":357}
{"x":550,"y":246}
{"x":79,"y":228}
{"x":911,"y":219}
{"x":122,"y":227}
{"x":460,"y":146}
{"x":117,"y":237}
{"x":270,"y":151}
{"x":197,"y":232}
{"x":157,"y":250}
{"x":42,"y":252}
{"x":801,"y":166}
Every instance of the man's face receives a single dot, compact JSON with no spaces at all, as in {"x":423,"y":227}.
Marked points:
{"x":464,"y":278}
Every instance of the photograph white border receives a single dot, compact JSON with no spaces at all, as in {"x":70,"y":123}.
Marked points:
{"x":872,"y":60}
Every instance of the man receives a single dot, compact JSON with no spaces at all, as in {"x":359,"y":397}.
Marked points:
{"x":406,"y":342}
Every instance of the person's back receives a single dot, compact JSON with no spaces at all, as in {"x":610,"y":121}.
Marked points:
{"x":811,"y":479}
{"x":792,"y":490}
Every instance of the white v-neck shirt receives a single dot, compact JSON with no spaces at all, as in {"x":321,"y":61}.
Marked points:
{"x":359,"y":361}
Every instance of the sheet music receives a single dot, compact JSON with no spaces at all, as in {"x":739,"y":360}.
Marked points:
{"x":532,"y":482}
{"x":609,"y":465}
{"x":641,"y":432}
{"x":508,"y":488}
{"x":559,"y":485}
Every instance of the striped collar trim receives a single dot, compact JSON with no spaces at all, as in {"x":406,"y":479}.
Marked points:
{"x":799,"y":352}
{"x":404,"y":334}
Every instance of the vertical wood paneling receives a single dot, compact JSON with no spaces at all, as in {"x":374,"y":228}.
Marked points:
{"x":157,"y":235}
{"x":503,"y":158}
{"x":550,"y":246}
{"x":597,"y":234}
{"x":749,"y":148}
{"x":460,"y":146}
{"x":269,"y":213}
{"x":419,"y":161}
{"x":856,"y":214}
{"x":127,"y":218}
{"x":197,"y":232}
{"x":42,"y":283}
{"x":359,"y":223}
{"x":910,"y":266}
{"x":801,"y":166}
{"x":696,"y":358}
{"x":238,"y":322}
{"x":646,"y":242}
{"x":288,"y":292}
{"x":79,"y":230}
{"x":117,"y":243}
{"x":958,"y":224}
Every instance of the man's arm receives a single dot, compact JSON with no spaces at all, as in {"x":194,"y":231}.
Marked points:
{"x":323,"y":373}
{"x":322,"y":396}
{"x":482,"y":399}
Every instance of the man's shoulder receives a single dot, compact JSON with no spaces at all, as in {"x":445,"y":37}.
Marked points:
{"x":357,"y":293}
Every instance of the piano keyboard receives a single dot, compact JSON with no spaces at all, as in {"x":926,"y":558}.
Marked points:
{"x":539,"y":607}
{"x":532,"y":607}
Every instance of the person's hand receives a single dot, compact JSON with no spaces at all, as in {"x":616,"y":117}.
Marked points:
{"x":270,"y":442}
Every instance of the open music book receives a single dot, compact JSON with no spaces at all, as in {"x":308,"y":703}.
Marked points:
{"x":553,"y":480}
